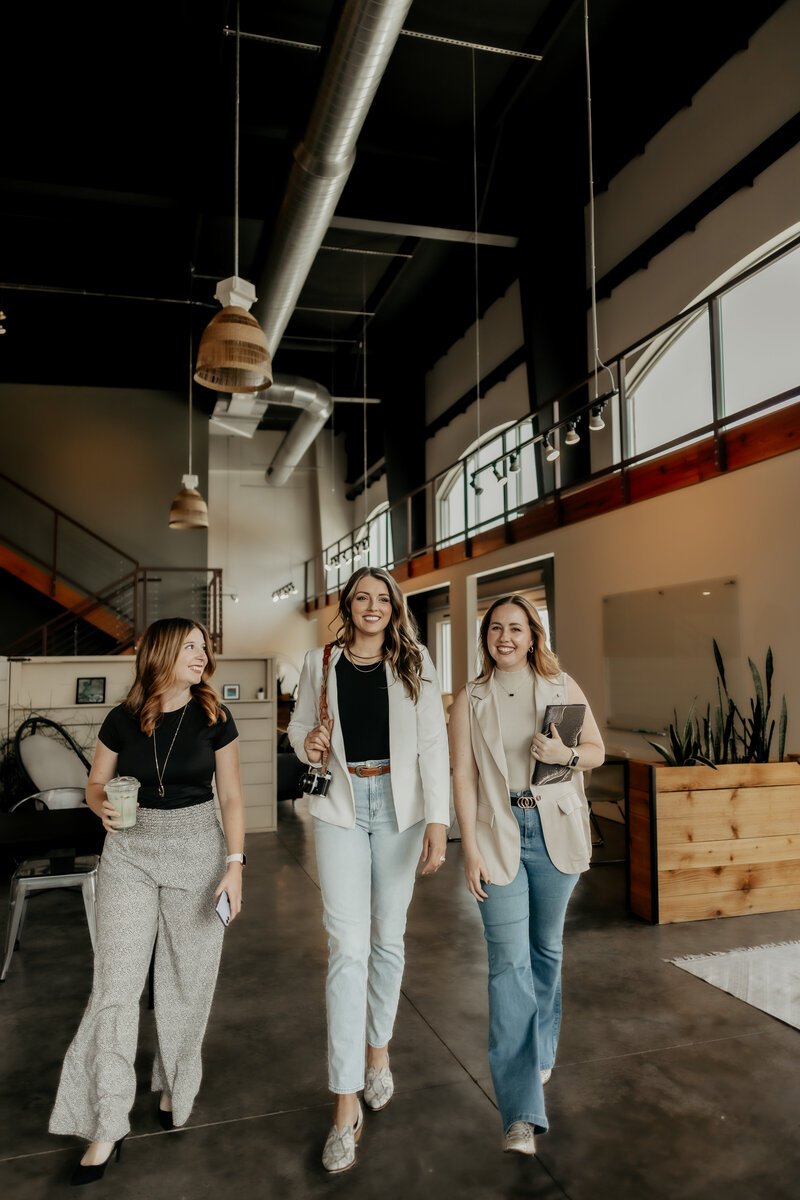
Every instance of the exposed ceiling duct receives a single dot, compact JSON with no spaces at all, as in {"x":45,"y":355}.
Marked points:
{"x":360,"y":51}
{"x":317,"y":406}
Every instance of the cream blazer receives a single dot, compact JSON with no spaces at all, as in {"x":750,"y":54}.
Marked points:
{"x":418,"y":747}
{"x":562,"y":806}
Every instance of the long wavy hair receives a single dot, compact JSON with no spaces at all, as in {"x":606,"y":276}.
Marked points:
{"x":400,"y":637}
{"x":540,"y":658}
{"x":156,"y":659}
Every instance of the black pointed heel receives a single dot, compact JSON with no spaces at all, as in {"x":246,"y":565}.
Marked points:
{"x":165,"y":1119}
{"x":90,"y":1174}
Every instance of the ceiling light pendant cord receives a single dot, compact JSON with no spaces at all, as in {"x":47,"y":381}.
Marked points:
{"x":598,"y":362}
{"x":236,"y":160}
{"x":475,"y":223}
{"x":364,"y":380}
{"x":191,"y":374}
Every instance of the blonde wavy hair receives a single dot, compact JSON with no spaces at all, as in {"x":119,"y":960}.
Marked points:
{"x":156,"y":659}
{"x":541,"y":658}
{"x":400,"y":638}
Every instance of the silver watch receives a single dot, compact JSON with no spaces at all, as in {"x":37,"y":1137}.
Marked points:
{"x":573,"y":762}
{"x":240,"y":858}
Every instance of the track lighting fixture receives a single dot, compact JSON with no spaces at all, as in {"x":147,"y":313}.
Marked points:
{"x":573,"y":437}
{"x":596,"y":421}
{"x":500,"y":473}
{"x":476,"y":487}
{"x":513,"y":461}
{"x":551,"y":452}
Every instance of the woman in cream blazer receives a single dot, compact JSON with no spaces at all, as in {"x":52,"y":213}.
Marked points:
{"x":523,"y":849}
{"x":388,"y":799}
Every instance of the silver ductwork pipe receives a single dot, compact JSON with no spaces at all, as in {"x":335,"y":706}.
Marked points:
{"x":317,"y":406}
{"x":361,"y":49}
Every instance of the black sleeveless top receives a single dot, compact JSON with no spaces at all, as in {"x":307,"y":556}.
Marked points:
{"x":363,"y":710}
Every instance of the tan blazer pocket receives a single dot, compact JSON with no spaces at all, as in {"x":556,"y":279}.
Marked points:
{"x":485,"y":813}
{"x":569,"y":802}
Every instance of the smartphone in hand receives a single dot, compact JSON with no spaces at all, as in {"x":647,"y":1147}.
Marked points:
{"x":223,"y":908}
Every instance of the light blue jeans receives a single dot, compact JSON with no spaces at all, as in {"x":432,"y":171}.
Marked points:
{"x":367,"y":877}
{"x":524,"y":923}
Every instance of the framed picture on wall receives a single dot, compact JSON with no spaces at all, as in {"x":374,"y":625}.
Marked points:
{"x":90,"y":689}
{"x":230,"y":691}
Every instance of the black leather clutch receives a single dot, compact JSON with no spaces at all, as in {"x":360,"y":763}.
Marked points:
{"x":568,"y":720}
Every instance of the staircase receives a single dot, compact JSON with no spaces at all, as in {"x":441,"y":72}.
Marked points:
{"x":95,"y":598}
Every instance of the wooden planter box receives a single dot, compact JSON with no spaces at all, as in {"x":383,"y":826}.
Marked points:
{"x":705,"y":843}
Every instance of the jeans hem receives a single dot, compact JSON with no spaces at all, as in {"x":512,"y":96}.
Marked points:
{"x":539,"y":1123}
{"x":346,"y":1091}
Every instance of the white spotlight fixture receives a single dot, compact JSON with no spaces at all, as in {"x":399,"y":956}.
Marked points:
{"x":513,"y":461}
{"x":596,"y":421}
{"x":551,"y":452}
{"x":500,"y":473}
{"x":573,"y":437}
{"x":476,"y":487}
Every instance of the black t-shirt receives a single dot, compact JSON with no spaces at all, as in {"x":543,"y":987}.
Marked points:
{"x":189,"y":771}
{"x":363,"y":701}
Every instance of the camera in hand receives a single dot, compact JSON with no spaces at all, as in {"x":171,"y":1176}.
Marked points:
{"x":315,"y":782}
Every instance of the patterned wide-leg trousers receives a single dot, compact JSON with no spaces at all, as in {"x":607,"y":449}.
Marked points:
{"x":156,"y":880}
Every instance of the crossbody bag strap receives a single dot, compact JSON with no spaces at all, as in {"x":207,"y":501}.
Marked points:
{"x":323,"y":699}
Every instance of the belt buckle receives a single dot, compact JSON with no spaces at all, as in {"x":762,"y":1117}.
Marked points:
{"x":361,"y":771}
{"x":528,"y":801}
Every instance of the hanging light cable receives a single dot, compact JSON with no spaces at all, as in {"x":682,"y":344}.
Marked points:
{"x":189,"y":510}
{"x":598,"y":362}
{"x":233,"y":354}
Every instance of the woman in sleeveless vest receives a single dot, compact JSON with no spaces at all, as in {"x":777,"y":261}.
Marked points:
{"x":524,"y":848}
{"x":388,"y":801}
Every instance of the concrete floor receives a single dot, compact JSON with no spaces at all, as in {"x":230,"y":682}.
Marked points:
{"x":664,"y":1086}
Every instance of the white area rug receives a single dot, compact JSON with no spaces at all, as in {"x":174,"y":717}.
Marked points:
{"x":768,"y":977}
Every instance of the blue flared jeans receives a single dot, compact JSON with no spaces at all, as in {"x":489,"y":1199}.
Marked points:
{"x":523,"y":922}
{"x":366,"y":876}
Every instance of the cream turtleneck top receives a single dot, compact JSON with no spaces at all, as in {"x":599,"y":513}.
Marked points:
{"x":515,"y":694}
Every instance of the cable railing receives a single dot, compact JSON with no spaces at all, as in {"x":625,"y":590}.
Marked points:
{"x":484,"y":490}
{"x":112,"y":621}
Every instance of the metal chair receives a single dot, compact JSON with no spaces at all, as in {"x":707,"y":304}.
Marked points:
{"x":57,"y":768}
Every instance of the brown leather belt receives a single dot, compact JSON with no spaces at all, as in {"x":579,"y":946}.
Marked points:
{"x":362,"y":771}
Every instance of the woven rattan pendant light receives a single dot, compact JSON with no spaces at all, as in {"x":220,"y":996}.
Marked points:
{"x":233,"y":355}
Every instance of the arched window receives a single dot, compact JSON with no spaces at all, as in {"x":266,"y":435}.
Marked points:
{"x":669,"y":380}
{"x":499,"y":490}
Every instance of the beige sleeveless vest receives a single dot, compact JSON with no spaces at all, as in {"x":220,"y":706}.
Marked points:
{"x":562,"y":806}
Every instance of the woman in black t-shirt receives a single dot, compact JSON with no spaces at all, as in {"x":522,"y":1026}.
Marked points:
{"x":388,"y":800}
{"x":158,"y":883}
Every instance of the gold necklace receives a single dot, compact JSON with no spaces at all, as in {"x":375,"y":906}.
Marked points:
{"x":160,"y":773}
{"x":363,"y":670}
{"x":497,"y":675}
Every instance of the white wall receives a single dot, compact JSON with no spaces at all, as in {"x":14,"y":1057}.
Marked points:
{"x":750,"y":97}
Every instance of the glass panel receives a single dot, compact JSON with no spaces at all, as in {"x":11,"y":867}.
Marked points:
{"x":669,"y":386}
{"x":761,"y":346}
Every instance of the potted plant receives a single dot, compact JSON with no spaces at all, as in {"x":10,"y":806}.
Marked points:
{"x":715,"y":830}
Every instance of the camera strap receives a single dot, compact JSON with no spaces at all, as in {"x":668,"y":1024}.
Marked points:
{"x":323,"y":699}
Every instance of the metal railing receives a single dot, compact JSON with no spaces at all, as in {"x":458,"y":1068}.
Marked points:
{"x":415,"y":520}
{"x":112,"y":621}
